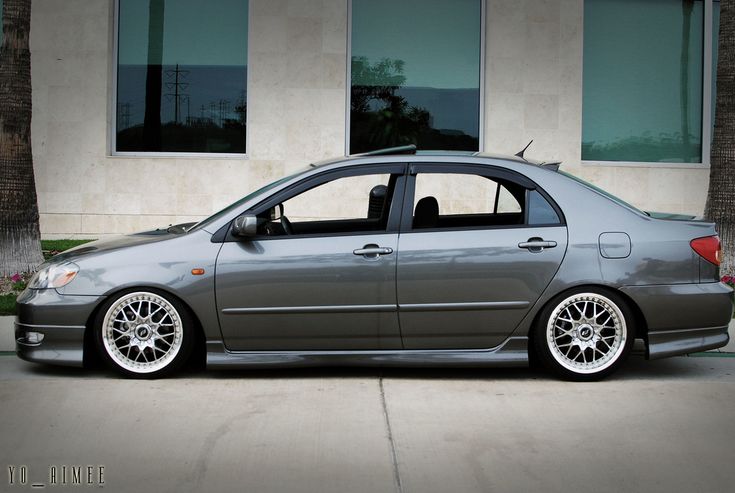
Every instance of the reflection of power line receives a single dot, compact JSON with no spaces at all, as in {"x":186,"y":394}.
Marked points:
{"x":178,"y":89}
{"x":224,"y":110}
{"x":123,"y":115}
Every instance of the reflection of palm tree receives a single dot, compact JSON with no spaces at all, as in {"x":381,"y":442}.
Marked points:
{"x":386,"y":118}
{"x":687,"y":6}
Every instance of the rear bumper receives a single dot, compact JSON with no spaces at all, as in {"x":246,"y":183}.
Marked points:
{"x":666,"y":343}
{"x":684,"y":318}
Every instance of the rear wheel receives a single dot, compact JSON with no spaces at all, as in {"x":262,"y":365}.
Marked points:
{"x":144,"y":334}
{"x":585,"y":334}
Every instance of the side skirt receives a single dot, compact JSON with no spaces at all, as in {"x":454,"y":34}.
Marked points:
{"x":513,"y":352}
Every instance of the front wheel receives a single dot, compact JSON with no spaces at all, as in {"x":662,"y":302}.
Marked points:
{"x":585,"y":334}
{"x":144,"y":334}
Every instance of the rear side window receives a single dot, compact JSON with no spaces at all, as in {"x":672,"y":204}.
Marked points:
{"x":467,"y":200}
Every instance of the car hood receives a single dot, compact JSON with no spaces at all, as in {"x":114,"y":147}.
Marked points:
{"x":119,"y":242}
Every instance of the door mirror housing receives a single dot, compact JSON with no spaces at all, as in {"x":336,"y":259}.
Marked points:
{"x":245,"y":226}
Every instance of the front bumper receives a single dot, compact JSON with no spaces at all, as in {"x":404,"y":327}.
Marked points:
{"x":60,"y":319}
{"x":684,"y":318}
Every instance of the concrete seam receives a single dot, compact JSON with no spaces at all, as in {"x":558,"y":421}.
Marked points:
{"x":394,"y":455}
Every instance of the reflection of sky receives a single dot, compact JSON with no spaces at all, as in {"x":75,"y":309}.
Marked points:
{"x":207,"y":86}
{"x":439,"y":40}
{"x":632,"y":60}
{"x":196,"y":32}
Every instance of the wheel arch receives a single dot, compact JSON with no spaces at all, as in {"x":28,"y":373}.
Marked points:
{"x":91,"y":357}
{"x":639,"y":320}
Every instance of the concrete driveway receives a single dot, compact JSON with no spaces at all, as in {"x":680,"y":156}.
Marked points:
{"x":656,"y":426}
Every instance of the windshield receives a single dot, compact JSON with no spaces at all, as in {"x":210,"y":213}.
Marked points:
{"x":203,"y":224}
{"x":602,"y":192}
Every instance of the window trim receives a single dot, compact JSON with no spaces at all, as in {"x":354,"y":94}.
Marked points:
{"x":112,"y":110}
{"x":491,"y":172}
{"x":348,"y":80}
{"x":704,"y":158}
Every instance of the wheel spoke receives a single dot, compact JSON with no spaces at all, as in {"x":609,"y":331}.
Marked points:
{"x":133,"y":328}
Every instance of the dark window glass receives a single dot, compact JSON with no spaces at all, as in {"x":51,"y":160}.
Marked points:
{"x":181,"y":76}
{"x":415,"y":74}
{"x":540,"y":211}
{"x":642,"y":80}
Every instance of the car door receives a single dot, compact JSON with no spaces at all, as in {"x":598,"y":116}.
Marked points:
{"x":478,"y":246}
{"x":316,"y":277}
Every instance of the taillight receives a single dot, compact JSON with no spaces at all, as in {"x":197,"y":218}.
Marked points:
{"x":708,"y":248}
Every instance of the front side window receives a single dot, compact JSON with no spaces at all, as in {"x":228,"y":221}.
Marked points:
{"x":642,"y":87}
{"x":415,"y":70}
{"x":352,"y":204}
{"x":458,"y":200}
{"x":181,"y":76}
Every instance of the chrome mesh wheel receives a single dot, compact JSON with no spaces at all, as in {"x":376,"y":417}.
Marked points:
{"x":586,"y":333}
{"x":142,"y":332}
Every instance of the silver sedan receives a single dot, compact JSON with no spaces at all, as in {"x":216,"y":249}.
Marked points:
{"x":390,"y":259}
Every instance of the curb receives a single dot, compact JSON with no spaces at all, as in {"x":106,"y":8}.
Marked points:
{"x":7,"y":333}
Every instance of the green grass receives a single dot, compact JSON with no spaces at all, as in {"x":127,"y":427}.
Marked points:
{"x":7,"y":304}
{"x":60,"y":245}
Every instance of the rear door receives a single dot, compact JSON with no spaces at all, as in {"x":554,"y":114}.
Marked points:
{"x":478,"y":246}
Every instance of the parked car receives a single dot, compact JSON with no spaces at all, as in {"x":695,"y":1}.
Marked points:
{"x":415,"y":259}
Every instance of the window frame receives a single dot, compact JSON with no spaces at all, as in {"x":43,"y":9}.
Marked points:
{"x":491,"y":172}
{"x":112,"y":110}
{"x":704,"y":158}
{"x":348,"y":80}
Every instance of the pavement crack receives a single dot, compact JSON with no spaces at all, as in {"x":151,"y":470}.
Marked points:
{"x":393,"y":454}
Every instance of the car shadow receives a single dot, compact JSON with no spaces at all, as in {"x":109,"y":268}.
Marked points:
{"x":636,"y":368}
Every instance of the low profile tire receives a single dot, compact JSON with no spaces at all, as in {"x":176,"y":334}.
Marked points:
{"x":144,"y":333}
{"x":584,"y":334}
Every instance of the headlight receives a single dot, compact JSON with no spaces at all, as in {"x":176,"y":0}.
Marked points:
{"x":54,"y":276}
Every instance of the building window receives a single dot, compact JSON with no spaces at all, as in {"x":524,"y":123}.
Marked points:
{"x":415,"y":74}
{"x":181,"y":76}
{"x":643,"y":81}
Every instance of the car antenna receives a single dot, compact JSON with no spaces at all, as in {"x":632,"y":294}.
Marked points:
{"x":520,"y":153}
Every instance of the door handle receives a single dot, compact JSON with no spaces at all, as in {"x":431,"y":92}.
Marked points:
{"x":536,"y":244}
{"x":373,"y":251}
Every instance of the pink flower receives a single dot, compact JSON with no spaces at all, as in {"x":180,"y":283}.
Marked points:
{"x":15,"y":277}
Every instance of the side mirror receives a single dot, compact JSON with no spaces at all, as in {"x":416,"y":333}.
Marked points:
{"x":245,"y":226}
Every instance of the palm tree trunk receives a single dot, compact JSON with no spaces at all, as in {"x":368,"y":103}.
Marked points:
{"x":20,"y":246}
{"x":721,"y":195}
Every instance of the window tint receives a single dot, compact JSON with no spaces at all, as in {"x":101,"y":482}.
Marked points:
{"x":344,"y":205}
{"x":415,"y":74}
{"x":642,"y":81}
{"x":539,"y":210}
{"x":181,"y":76}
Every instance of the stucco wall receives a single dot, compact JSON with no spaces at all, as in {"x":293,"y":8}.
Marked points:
{"x":296,"y":113}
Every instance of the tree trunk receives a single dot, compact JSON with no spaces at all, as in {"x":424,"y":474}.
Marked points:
{"x":20,"y":245}
{"x":720,"y":206}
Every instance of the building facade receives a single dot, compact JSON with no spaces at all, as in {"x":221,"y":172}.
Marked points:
{"x":152,"y":112}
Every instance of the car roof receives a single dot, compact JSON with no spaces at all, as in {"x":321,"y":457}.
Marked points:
{"x":418,"y":155}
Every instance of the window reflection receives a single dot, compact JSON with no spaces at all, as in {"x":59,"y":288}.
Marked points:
{"x":415,"y":74}
{"x":182,"y":72}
